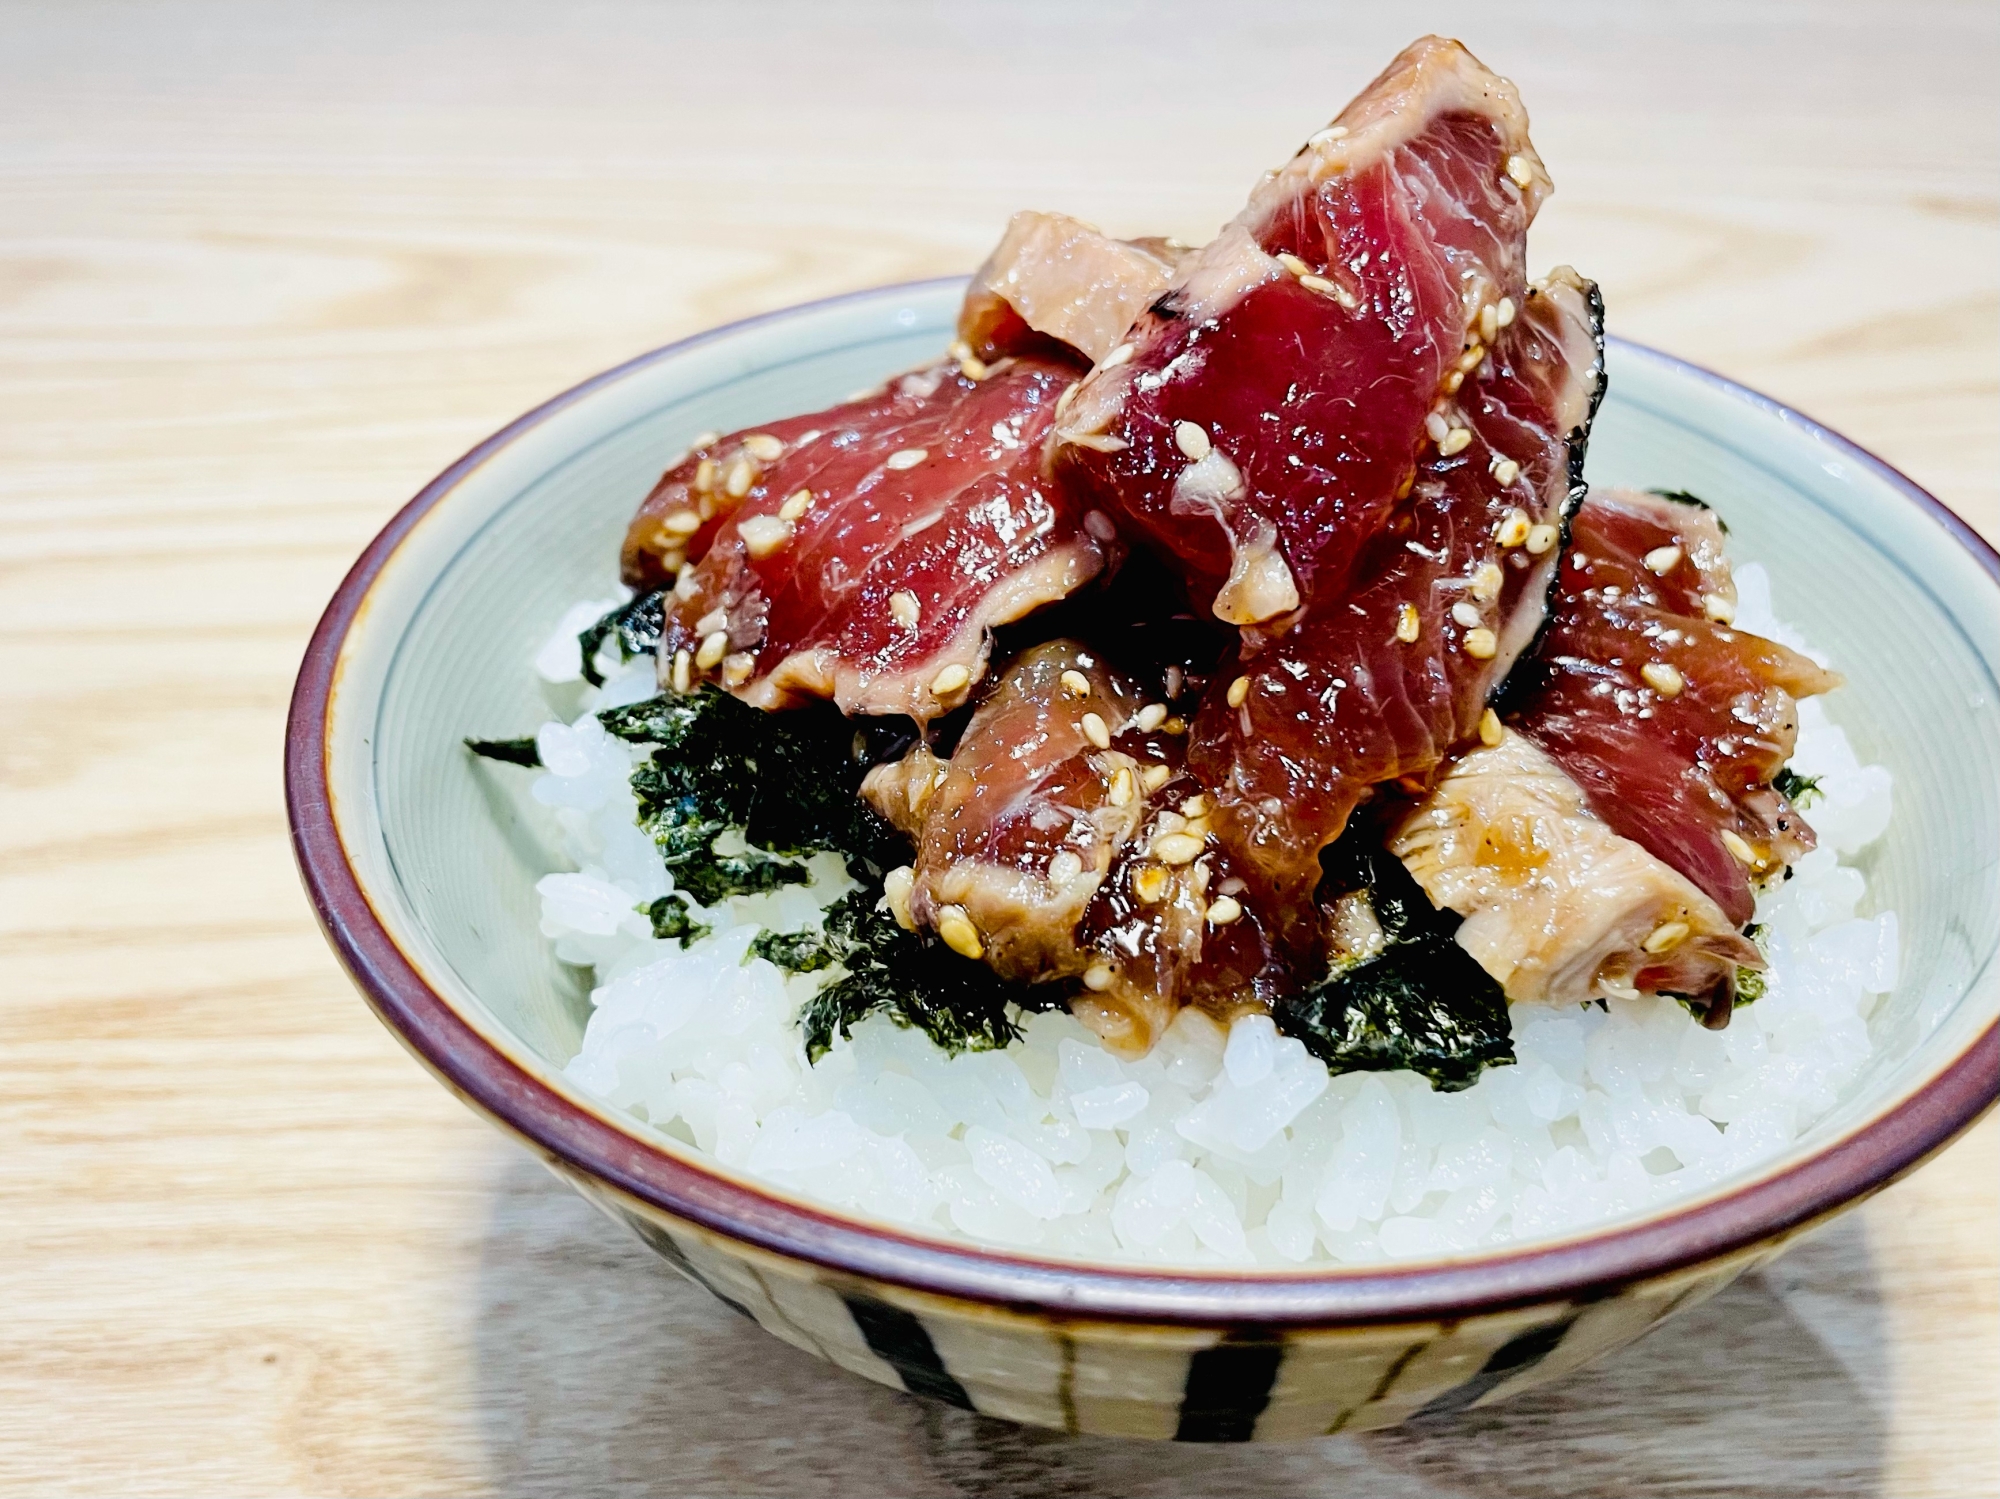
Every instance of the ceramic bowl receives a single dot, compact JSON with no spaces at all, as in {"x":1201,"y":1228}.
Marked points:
{"x":422,"y":875}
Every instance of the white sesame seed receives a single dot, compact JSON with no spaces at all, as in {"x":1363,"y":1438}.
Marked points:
{"x":1068,"y":395}
{"x":1097,"y":977}
{"x":1667,"y":935}
{"x":1118,"y":356}
{"x":709,"y":623}
{"x":736,"y":668}
{"x":1174,"y":725}
{"x":1718,"y":608}
{"x":703,"y":439}
{"x":1541,"y":538}
{"x":805,"y":437}
{"x":1122,"y":787}
{"x":681,"y":523}
{"x":1238,"y":691}
{"x":1437,"y":427}
{"x":1457,"y":440}
{"x":1064,"y":867}
{"x":1469,"y":360}
{"x":1408,"y":623}
{"x":1739,"y":848}
{"x":1075,"y":683}
{"x":1453,"y":380}
{"x":796,"y":505}
{"x":713,"y":648}
{"x":1480,"y":644}
{"x":974,"y":368}
{"x":763,"y":447}
{"x":952,"y":679}
{"x":1195,"y":806}
{"x":1466,"y":614}
{"x":1490,"y":732}
{"x":1149,"y":883}
{"x":1153,"y":777}
{"x":1224,"y":911}
{"x":1095,"y":731}
{"x":764,"y":534}
{"x":1486,"y":582}
{"x":683,"y":671}
{"x":1327,"y":136}
{"x":896,"y":885}
{"x":1663,"y":560}
{"x":1503,"y":312}
{"x":1177,"y":848}
{"x":1168,"y":822}
{"x":1293,"y":264}
{"x":1150,"y":717}
{"x":906,"y":458}
{"x":1317,"y":283}
{"x":959,"y":934}
{"x":1489,"y":322}
{"x":1663,"y":678}
{"x":704,"y":474}
{"x":1521,"y":170}
{"x":1193,"y":440}
{"x":1513,"y":529}
{"x":904,"y":608}
{"x":1505,"y":471}
{"x":742,"y":474}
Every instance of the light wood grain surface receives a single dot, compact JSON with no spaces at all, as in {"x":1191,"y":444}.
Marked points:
{"x":265,"y":269}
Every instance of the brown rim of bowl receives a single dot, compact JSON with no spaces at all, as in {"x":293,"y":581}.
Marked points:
{"x":1579,"y":1269}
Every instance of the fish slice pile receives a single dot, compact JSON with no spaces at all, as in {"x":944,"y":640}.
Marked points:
{"x":1231,"y":625}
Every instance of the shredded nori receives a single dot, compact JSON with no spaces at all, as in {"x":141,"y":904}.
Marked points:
{"x":672,"y":918}
{"x":634,"y":627}
{"x":511,"y":751}
{"x":1681,"y":496}
{"x":1800,"y":791}
{"x":911,"y":977}
{"x":1421,"y":1003}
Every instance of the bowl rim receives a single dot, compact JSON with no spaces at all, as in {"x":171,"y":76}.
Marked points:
{"x":1584,"y":1267}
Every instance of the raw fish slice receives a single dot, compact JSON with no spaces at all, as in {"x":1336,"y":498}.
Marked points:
{"x":1055,"y":277}
{"x":1672,"y":721}
{"x":1558,"y":907}
{"x":864,"y":553}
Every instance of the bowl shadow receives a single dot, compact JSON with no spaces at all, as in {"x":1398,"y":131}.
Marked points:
{"x":601,"y":1372}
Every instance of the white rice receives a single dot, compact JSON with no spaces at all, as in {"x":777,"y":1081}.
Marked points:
{"x":1224,"y":1146}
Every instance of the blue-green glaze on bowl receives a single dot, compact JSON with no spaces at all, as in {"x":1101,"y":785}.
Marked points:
{"x":421,"y":865}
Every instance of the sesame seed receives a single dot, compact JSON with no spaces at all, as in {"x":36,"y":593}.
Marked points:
{"x":1095,"y":731}
{"x":1118,"y":356}
{"x":1466,"y":614}
{"x":1663,"y":678}
{"x":1505,"y":471}
{"x":1327,"y":136}
{"x":1238,"y":691}
{"x":1740,"y":849}
{"x":1718,"y":608}
{"x":958,"y":348}
{"x":1177,"y":848}
{"x":1174,"y":725}
{"x":1469,"y":360}
{"x":704,"y":474}
{"x":736,"y":668}
{"x":959,"y":934}
{"x":904,"y":608}
{"x":1489,"y":322}
{"x":1453,"y":380}
{"x":1097,"y":977}
{"x":1480,"y":644}
{"x":1486,"y":582}
{"x":1064,"y":867}
{"x":1068,"y":395}
{"x":1503,"y":312}
{"x":1438,"y":428}
{"x":1149,"y":883}
{"x":742,"y":474}
{"x":896,"y":885}
{"x":1457,"y":440}
{"x":952,"y":679}
{"x":974,"y":368}
{"x":1514,"y":529}
{"x":1541,"y":538}
{"x":1663,"y":560}
{"x":703,"y":439}
{"x":763,"y":447}
{"x":764,"y":534}
{"x":683,"y":674}
{"x":1168,"y":822}
{"x":1151,"y":717}
{"x":1317,"y":283}
{"x":1490,"y":732}
{"x":1293,"y":264}
{"x":709,"y":623}
{"x":713,"y":648}
{"x":1193,"y":440}
{"x":796,"y":504}
{"x":1099,"y":525}
{"x":681,"y":523}
{"x":1121,"y":787}
{"x":1666,"y":935}
{"x":1195,"y":806}
{"x":1075,"y":683}
{"x":1224,"y":911}
{"x":1521,"y":170}
{"x":805,"y":437}
{"x":1408,"y":623}
{"x":906,"y":458}
{"x":1153,"y":777}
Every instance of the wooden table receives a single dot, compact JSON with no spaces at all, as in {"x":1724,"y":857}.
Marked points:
{"x":263,"y":270}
